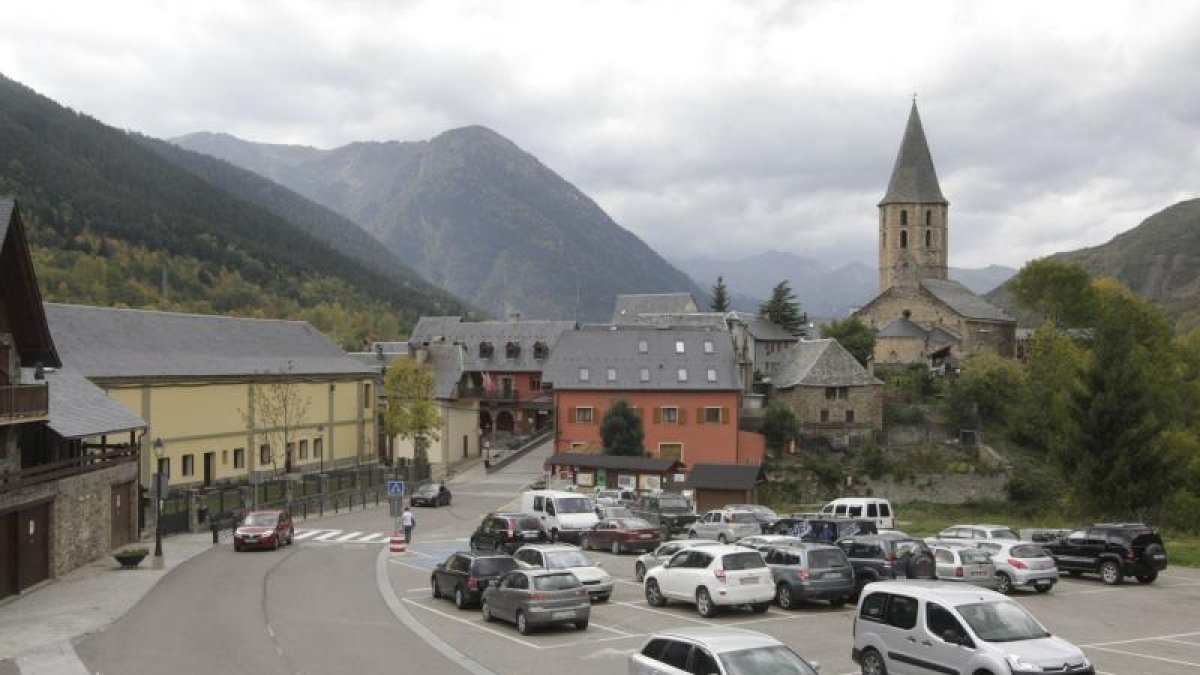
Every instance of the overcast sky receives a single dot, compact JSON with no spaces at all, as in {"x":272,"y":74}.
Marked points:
{"x":708,"y":128}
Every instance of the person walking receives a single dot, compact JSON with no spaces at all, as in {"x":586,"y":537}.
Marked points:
{"x":408,"y":521}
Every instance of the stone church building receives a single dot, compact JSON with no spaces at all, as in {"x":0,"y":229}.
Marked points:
{"x":920,"y":315}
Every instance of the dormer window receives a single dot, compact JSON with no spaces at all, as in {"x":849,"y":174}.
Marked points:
{"x":512,"y":350}
{"x":541,"y":350}
{"x":712,"y":375}
{"x":612,"y":374}
{"x":584,"y":375}
{"x":645,"y":375}
{"x":643,"y":346}
{"x":683,"y":374}
{"x":679,"y":346}
{"x":708,"y":346}
{"x":486,"y":350}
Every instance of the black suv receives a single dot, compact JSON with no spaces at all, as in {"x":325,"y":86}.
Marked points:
{"x":506,"y":532}
{"x":887,"y":555}
{"x":1112,"y":550}
{"x":464,"y":576}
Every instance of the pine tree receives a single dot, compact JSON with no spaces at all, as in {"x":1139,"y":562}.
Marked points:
{"x":783,"y":310}
{"x":720,"y":296}
{"x":621,"y":431}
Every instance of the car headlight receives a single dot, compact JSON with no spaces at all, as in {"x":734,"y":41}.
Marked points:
{"x":1019,"y":663}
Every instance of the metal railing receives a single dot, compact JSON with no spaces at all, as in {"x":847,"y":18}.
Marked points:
{"x":43,"y":473}
{"x":24,"y":400}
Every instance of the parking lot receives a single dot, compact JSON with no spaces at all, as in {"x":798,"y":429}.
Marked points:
{"x":1125,"y":630}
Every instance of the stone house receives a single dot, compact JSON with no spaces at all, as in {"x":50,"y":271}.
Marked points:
{"x":832,"y":394}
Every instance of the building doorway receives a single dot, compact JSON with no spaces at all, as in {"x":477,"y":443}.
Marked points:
{"x":210,"y":468}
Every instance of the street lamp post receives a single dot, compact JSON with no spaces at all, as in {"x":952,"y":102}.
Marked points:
{"x":158,"y":497}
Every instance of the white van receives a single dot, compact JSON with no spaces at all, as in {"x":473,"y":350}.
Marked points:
{"x":869,"y":508}
{"x":564,"y":516}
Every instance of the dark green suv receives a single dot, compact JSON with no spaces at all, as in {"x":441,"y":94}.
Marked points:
{"x":1112,"y":550}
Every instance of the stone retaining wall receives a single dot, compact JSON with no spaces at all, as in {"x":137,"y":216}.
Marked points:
{"x":937,"y":488}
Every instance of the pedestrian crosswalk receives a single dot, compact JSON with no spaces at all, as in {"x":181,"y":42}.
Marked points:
{"x":329,"y":536}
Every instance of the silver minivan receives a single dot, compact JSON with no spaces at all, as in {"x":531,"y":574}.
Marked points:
{"x":935,"y":627}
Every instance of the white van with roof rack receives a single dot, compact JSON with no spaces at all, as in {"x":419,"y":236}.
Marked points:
{"x":869,"y":508}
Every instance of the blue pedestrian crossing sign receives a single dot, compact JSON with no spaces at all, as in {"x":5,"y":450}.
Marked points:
{"x":395,"y":488}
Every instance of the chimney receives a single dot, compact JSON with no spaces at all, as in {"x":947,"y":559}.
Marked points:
{"x":421,"y":355}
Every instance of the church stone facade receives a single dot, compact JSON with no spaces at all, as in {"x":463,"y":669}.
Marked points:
{"x":920,"y":315}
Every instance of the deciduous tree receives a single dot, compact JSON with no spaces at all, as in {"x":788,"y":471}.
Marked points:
{"x":855,"y":335}
{"x":779,"y":427}
{"x":411,"y":412}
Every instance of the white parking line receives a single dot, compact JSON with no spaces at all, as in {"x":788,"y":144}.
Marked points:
{"x":393,"y":561}
{"x":1178,"y":642}
{"x":1147,"y":656}
{"x":776,"y":616}
{"x":593,"y":624}
{"x":1141,"y":639}
{"x":471,"y":623}
{"x":644,"y":608}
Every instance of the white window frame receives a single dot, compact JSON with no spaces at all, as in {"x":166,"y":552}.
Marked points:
{"x":708,"y":347}
{"x":712,"y":374}
{"x":682,"y":375}
{"x":591,"y":415}
{"x":674,"y":411}
{"x":645,"y":375}
{"x":643,"y":346}
{"x":584,"y":375}
{"x":680,"y":348}
{"x":612,"y":374}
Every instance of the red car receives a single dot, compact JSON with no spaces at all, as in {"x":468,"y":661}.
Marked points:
{"x":264,"y":529}
{"x":623,"y":534}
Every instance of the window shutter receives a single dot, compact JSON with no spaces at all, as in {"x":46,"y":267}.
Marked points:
{"x":724,"y":415}
{"x":574,"y":415}
{"x":699,"y":415}
{"x":683,"y":415}
{"x":657,"y":415}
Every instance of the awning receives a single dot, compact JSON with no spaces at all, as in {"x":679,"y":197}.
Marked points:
{"x":581,"y":460}
{"x":79,"y":409}
{"x":724,"y":477}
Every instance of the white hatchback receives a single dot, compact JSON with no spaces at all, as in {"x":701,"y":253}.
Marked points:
{"x":712,"y":577}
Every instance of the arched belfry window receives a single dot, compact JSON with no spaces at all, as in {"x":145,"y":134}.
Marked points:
{"x":928,"y":217}
{"x":903,"y":238}
{"x":903,"y":218}
{"x":928,"y":238}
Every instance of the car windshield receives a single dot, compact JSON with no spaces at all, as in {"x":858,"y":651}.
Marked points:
{"x":493,"y":567}
{"x":1027,"y":551}
{"x":261,"y":520}
{"x":634,"y":524}
{"x":427,"y":490}
{"x":1002,"y":621}
{"x":741,"y":517}
{"x":1004,"y":533}
{"x":777,"y":660}
{"x":561,"y":560}
{"x":972,"y":556}
{"x":826,"y":557}
{"x":763,"y":510}
{"x":742,"y":561}
{"x":573,"y":505}
{"x":673,"y":503}
{"x":555,"y":582}
{"x":909,"y":547}
{"x":528,"y":524}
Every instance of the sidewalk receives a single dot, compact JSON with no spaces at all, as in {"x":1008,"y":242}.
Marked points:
{"x":39,"y":626}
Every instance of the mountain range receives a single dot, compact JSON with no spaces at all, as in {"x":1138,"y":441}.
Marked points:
{"x":474,"y":214}
{"x":823,"y":290}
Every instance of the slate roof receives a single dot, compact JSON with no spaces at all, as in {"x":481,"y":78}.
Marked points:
{"x":448,"y":364}
{"x":103,"y":342}
{"x":6,"y":211}
{"x":629,"y":306}
{"x":962,"y":300}
{"x":79,"y":409}
{"x":763,"y":329}
{"x":20,"y":294}
{"x":713,"y":320}
{"x":817,"y":363}
{"x":599,"y":348}
{"x":451,"y":329}
{"x":591,"y":461}
{"x":914,"y":179}
{"x":902,"y":328}
{"x":724,"y":477}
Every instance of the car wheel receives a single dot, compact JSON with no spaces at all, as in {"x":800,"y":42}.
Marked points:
{"x":722,"y":539}
{"x":585,"y":544}
{"x":553,"y":536}
{"x":522,"y":624}
{"x":581,"y":625}
{"x":616,"y":548}
{"x":603,"y":598}
{"x":760,"y":607}
{"x":1003,"y":583}
{"x":1110,"y":572}
{"x":237,"y":547}
{"x":654,"y":596}
{"x":275,"y":544}
{"x":839,"y":601}
{"x":666,"y":533}
{"x":291,"y":535}
{"x":704,"y":603}
{"x":783,"y":595}
{"x":872,"y":663}
{"x":1044,"y":588}
{"x":639,"y":572}
{"x":1147,"y":578}
{"x":486,"y":611}
{"x":437,"y":592}
{"x":1074,"y":573}
{"x":460,"y":598}
{"x":691,"y":534}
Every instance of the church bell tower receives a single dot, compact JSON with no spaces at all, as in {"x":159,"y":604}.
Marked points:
{"x":913,"y":216}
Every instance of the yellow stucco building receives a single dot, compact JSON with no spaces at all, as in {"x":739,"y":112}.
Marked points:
{"x":214,"y":388}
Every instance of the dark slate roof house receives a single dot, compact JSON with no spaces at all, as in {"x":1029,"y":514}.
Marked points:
{"x":963,"y":301}
{"x":509,"y":346}
{"x":817,"y":363}
{"x":632,"y":358}
{"x":914,"y":180}
{"x":629,"y":306}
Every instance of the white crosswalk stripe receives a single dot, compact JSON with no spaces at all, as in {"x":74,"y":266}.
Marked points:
{"x":341,"y":536}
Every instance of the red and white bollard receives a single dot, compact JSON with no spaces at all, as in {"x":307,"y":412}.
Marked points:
{"x":397,"y":543}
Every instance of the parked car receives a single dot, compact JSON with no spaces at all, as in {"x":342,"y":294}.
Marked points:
{"x":766,"y":515}
{"x":874,"y":509}
{"x":976,"y":532}
{"x":810,"y":571}
{"x":564,"y":515}
{"x":951,"y":628}
{"x":712,"y":577}
{"x":430,"y":494}
{"x":822,"y":529}
{"x":887,"y":555}
{"x":1112,"y":550}
{"x":622,"y":534}
{"x":672,"y":513}
{"x":599,"y":584}
{"x":762,"y":541}
{"x":506,"y":532}
{"x":608,"y":512}
{"x":1042,"y":535}
{"x":464,"y":576}
{"x":532,"y":598}
{"x":717,"y":651}
{"x":726,"y":526}
{"x":615,"y":497}
{"x":264,"y":529}
{"x":964,"y":564}
{"x":1021,"y":564}
{"x":660,"y":555}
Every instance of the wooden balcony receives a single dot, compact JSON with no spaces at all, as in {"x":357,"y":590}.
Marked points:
{"x":23,"y":402}
{"x":91,"y":460}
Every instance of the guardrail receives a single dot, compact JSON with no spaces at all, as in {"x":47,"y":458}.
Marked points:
{"x":512,"y":455}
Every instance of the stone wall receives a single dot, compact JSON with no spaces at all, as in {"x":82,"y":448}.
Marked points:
{"x":808,"y":402}
{"x":82,"y":515}
{"x":937,"y":488}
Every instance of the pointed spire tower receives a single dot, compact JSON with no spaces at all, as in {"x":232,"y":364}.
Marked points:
{"x":913,"y":216}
